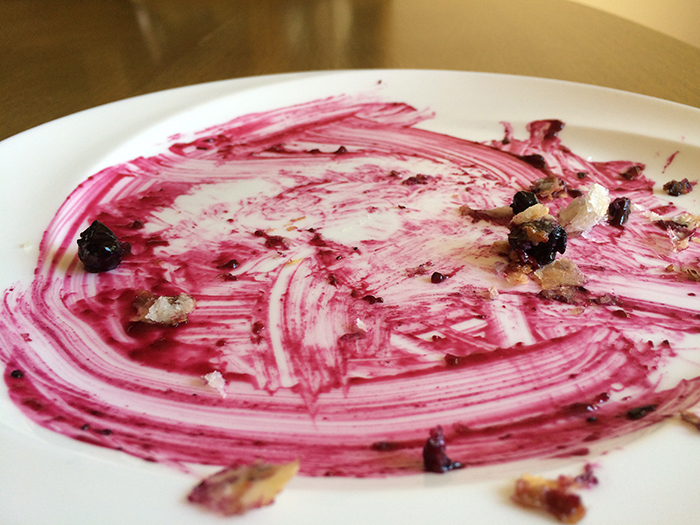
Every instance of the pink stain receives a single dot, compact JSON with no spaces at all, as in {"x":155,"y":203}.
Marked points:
{"x":669,"y":161}
{"x":309,"y":202}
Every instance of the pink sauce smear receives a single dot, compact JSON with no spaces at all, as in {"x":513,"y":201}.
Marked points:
{"x":308,"y":236}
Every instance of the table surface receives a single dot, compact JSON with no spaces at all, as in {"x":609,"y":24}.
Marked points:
{"x":59,"y":57}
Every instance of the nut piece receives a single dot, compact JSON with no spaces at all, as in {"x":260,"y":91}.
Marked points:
{"x":237,"y":489}
{"x":533,"y":213}
{"x":584,"y":212}
{"x":164,"y":309}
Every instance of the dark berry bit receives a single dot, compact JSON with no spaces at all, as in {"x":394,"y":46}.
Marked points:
{"x":385,"y":446}
{"x":535,"y":160}
{"x":258,"y":327}
{"x":640,"y":412}
{"x":86,"y":426}
{"x":451,"y":359}
{"x":317,"y":240}
{"x":536,"y":242}
{"x":418,"y":179}
{"x":619,"y":211}
{"x":437,"y":277}
{"x":16,"y":374}
{"x":99,"y":249}
{"x":621,"y":314}
{"x":434,"y":453}
{"x":276,"y":241}
{"x":581,"y":175}
{"x":371,"y":299}
{"x":351,"y":336}
{"x":587,"y":479}
{"x":523,"y":200}
{"x":632,"y":173}
{"x":678,"y":187}
{"x":555,"y":126}
{"x":230,"y":265}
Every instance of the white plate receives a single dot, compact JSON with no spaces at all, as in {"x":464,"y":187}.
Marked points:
{"x":46,"y":478}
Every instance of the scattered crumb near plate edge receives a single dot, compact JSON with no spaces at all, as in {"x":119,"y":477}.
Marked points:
{"x":237,"y":489}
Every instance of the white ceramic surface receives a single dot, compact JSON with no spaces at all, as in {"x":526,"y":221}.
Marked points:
{"x":46,"y":478}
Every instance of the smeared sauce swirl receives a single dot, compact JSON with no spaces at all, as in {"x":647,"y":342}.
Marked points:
{"x":308,"y":236}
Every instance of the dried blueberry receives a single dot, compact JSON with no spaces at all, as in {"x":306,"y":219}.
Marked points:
{"x":537,"y":242}
{"x":434,"y":453}
{"x":437,"y":278}
{"x":523,"y":200}
{"x":535,"y":160}
{"x":678,"y":187}
{"x":619,"y":211}
{"x":99,"y":249}
{"x":632,"y":173}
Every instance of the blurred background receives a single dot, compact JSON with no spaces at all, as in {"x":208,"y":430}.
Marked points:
{"x":61,"y":56}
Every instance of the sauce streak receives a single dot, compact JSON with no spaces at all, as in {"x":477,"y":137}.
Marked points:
{"x":313,"y":206}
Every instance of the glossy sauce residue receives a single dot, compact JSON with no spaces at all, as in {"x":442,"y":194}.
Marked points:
{"x":308,"y":237}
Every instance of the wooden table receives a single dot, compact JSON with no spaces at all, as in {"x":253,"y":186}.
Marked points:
{"x":59,"y":57}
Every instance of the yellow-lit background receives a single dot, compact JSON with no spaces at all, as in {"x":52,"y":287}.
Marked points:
{"x":677,"y":18}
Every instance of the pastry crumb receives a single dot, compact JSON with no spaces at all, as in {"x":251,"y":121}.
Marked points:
{"x":164,"y":309}
{"x":238,"y":489}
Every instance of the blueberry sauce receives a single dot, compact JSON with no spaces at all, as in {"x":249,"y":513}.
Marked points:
{"x":304,"y":258}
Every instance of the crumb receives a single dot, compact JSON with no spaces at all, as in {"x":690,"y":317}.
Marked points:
{"x":164,"y":309}
{"x":360,"y":325}
{"x":501,"y":215}
{"x":238,"y":489}
{"x":584,"y":212}
{"x":562,"y":272}
{"x":491,"y":294}
{"x":692,"y":417}
{"x":216,"y":381}
{"x":556,"y":497}
{"x":680,"y":229}
{"x":548,"y":187}
{"x":533,"y":213}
